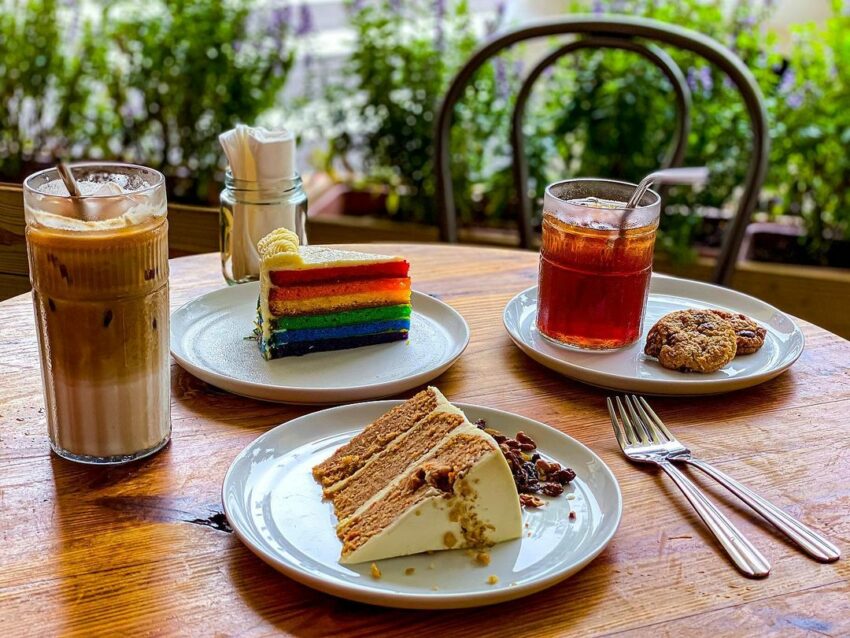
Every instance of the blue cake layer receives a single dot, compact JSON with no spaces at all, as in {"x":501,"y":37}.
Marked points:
{"x":305,"y":347}
{"x":282,"y":337}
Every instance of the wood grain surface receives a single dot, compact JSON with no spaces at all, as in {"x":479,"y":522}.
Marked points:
{"x":144,"y":549}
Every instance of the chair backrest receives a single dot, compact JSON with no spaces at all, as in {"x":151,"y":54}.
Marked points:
{"x":641,"y":36}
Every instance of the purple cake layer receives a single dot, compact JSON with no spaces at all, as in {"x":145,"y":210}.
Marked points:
{"x":306,"y":347}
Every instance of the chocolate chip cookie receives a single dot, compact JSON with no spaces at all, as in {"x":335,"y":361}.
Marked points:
{"x":692,"y":341}
{"x":749,"y":335}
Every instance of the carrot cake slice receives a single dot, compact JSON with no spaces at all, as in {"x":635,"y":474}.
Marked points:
{"x":420,"y":478}
{"x":315,"y":298}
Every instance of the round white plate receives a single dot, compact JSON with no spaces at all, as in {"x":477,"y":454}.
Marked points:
{"x":211,"y":338}
{"x":276,"y":508}
{"x":629,"y":370}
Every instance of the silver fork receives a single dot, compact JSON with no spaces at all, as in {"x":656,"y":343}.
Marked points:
{"x":807,"y":539}
{"x":641,"y":445}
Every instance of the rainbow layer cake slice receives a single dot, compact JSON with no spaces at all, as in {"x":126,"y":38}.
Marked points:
{"x":315,"y":298}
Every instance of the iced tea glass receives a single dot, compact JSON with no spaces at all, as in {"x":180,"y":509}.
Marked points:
{"x":99,"y":273}
{"x":595,"y":263}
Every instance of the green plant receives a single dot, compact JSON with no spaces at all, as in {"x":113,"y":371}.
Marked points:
{"x":405,"y":55}
{"x":190,"y":69}
{"x":46,"y":89}
{"x":810,"y":167}
{"x":152,"y":82}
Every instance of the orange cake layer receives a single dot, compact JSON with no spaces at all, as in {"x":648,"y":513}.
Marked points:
{"x":421,"y":438}
{"x":325,"y":274}
{"x":312,"y":291}
{"x":455,"y":457}
{"x":338,"y":303}
{"x":357,"y":452}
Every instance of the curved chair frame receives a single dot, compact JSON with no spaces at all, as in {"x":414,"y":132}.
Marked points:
{"x":650,"y":52}
{"x":623,"y":28}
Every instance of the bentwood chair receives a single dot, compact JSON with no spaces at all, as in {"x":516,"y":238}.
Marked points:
{"x":643,"y":37}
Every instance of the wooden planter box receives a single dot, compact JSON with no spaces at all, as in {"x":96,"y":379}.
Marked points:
{"x":819,"y":295}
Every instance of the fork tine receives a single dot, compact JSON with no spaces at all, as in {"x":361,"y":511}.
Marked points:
{"x":615,"y":424}
{"x":640,"y":427}
{"x":631,"y":432}
{"x":657,"y":435}
{"x":658,"y":422}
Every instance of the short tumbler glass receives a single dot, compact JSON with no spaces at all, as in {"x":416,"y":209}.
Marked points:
{"x":595,"y":263}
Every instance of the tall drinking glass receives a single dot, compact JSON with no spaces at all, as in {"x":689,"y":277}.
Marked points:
{"x":99,"y":273}
{"x":595,"y":263}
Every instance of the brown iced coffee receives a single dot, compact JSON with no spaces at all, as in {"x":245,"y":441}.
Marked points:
{"x":99,"y":272}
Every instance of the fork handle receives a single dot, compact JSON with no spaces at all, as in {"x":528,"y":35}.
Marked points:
{"x":809,"y":541}
{"x":743,"y":553}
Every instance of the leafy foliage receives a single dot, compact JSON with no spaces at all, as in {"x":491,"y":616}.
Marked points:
{"x":152,"y":82}
{"x":607,"y":113}
{"x":810,"y":167}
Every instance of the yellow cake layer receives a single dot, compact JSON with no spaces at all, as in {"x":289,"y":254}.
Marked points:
{"x":337,"y":303}
{"x":280,"y":251}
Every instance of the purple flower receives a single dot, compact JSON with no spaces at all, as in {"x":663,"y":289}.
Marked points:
{"x":788,"y":81}
{"x":502,"y":88}
{"x":395,"y":5}
{"x":704,"y":75}
{"x":280,"y":18}
{"x":305,"y":24}
{"x":691,"y":78}
{"x":358,"y":5}
{"x":440,"y":15}
{"x":794,"y":100}
{"x":598,"y":7}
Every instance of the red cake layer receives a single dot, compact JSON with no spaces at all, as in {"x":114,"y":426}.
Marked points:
{"x":312,"y":291}
{"x":339,"y":273}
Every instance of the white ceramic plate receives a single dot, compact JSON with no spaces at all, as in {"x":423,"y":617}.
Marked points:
{"x":210,"y":339}
{"x":276,"y":509}
{"x":629,"y":370}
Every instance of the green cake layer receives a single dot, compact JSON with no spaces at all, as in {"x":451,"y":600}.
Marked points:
{"x":347,"y":317}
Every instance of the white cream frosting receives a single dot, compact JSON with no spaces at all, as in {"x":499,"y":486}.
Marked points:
{"x":492,"y":499}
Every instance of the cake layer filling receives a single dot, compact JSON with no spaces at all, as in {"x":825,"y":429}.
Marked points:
{"x":339,"y":273}
{"x":338,"y":303}
{"x":312,"y":291}
{"x":280,"y":337}
{"x":345,"y":318}
{"x":423,"y":436}
{"x":452,"y":459}
{"x":306,"y":347}
{"x":357,"y":452}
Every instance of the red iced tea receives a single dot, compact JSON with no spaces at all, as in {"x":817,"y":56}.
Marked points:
{"x":594,"y":280}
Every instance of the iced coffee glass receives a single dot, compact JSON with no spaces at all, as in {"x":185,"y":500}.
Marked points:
{"x":595,"y":263}
{"x":99,"y":273}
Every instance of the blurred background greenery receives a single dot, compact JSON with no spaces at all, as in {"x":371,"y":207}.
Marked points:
{"x":156,"y":82}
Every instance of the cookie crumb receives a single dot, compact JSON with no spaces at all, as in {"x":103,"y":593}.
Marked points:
{"x":449,"y":540}
{"x":435,"y":588}
{"x":572,"y":516}
{"x":492,"y":580}
{"x":376,"y":572}
{"x":410,"y":571}
{"x":482,"y":558}
{"x":431,"y":565}
{"x":571,"y":497}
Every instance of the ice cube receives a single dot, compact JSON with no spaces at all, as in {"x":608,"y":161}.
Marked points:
{"x":100,"y":189}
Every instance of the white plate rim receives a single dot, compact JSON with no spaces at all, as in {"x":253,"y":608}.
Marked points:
{"x":682,"y":387}
{"x":264,"y":392}
{"x":428,"y":600}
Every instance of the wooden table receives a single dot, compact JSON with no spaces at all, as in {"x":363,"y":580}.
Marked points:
{"x":144,"y":549}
